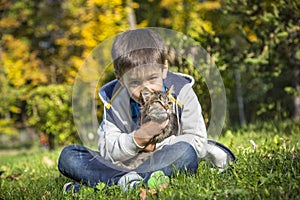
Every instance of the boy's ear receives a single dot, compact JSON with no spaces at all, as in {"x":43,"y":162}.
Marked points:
{"x":165,"y":69}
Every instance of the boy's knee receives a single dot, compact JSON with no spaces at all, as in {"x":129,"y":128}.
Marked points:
{"x":65,"y":157}
{"x":67,"y":151}
{"x":187,"y":149}
{"x":189,"y":155}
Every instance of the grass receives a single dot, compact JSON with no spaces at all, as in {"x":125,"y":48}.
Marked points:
{"x":266,"y":168}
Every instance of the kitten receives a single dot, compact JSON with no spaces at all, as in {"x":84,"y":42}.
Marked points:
{"x":158,"y":106}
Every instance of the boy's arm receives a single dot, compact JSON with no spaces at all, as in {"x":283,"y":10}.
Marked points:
{"x":117,"y":146}
{"x":148,"y":130}
{"x":191,"y":117}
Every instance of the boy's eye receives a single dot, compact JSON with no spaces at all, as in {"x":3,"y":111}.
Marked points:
{"x":153,"y":78}
{"x":134,"y":83}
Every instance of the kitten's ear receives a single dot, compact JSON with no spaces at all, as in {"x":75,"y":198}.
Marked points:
{"x":170,"y":90}
{"x":145,"y":95}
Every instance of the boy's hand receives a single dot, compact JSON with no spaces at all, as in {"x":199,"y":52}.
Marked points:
{"x":150,"y":147}
{"x":147,"y":131}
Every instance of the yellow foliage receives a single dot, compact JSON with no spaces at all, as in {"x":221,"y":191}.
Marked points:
{"x":210,"y":5}
{"x":189,"y":19}
{"x":20,"y":63}
{"x":142,"y":24}
{"x":252,"y":37}
{"x":135,"y":5}
{"x":250,"y":34}
{"x":168,"y":3}
{"x":15,"y":109}
{"x":77,"y":62}
{"x":179,"y":4}
{"x":107,"y":20}
{"x":9,"y":22}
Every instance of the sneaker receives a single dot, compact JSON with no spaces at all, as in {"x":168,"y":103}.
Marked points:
{"x":130,"y":180}
{"x":72,"y":187}
{"x":158,"y":180}
{"x":219,"y":155}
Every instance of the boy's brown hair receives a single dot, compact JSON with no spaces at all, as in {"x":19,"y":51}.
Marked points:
{"x":137,"y":47}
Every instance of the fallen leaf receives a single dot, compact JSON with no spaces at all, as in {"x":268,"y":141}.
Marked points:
{"x":253,"y":144}
{"x":143,"y":191}
{"x":14,"y":176}
{"x":47,"y":193}
{"x":292,"y":151}
{"x":143,"y":194}
{"x":4,"y":168}
{"x":47,"y":161}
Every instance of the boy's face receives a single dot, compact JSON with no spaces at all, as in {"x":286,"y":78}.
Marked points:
{"x":143,"y":76}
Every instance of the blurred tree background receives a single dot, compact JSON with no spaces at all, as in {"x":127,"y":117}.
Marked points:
{"x":255,"y":45}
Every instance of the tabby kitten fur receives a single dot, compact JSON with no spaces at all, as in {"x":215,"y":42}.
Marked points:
{"x":158,"y":106}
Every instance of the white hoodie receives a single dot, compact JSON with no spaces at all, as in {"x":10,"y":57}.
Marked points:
{"x":116,"y":141}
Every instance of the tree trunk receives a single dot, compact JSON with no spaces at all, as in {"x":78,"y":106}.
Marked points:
{"x":131,"y":15}
{"x":53,"y":73}
{"x":51,"y":142}
{"x":240,"y":99}
{"x":296,"y":114}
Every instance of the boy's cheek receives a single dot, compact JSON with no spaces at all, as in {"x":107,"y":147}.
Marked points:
{"x":135,"y":91}
{"x":135,"y":94}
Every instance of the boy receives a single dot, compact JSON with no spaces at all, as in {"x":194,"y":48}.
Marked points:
{"x":139,"y":62}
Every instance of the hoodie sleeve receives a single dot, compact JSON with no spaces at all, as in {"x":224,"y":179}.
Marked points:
{"x":192,"y":119}
{"x":114,"y":145}
{"x":193,"y":129}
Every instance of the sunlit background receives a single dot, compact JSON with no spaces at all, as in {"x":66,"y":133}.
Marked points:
{"x":255,"y":45}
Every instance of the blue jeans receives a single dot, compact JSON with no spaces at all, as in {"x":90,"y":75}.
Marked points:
{"x":84,"y":165}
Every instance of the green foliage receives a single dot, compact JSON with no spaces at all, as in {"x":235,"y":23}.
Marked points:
{"x":45,"y":42}
{"x":29,"y":174}
{"x":266,"y":168}
{"x":50,"y":111}
{"x":261,"y":40}
{"x":7,"y":101}
{"x":6,"y":127}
